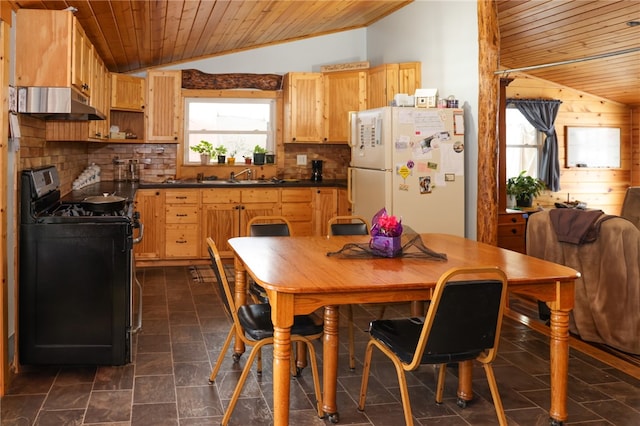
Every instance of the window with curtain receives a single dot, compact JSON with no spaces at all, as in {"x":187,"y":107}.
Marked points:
{"x":524,"y":145}
{"x":239,"y":124}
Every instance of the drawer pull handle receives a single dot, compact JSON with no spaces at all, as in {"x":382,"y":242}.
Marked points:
{"x":182,"y":215}
{"x":514,"y":231}
{"x":514,"y":220}
{"x":183,"y":197}
{"x":181,"y":242}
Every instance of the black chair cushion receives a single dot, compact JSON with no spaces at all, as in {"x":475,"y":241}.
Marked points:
{"x":256,"y":322}
{"x":258,"y":292}
{"x":401,"y":336}
{"x":349,"y":229}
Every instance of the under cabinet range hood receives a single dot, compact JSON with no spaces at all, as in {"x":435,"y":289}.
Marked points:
{"x":56,"y":104}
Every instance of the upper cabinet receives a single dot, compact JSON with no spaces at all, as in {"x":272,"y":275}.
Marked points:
{"x":317,"y":105}
{"x":303,"y":107}
{"x":164,"y":106}
{"x":52,"y":50}
{"x":344,"y":91}
{"x":387,"y":80}
{"x":127,"y":92}
{"x":100,"y":85}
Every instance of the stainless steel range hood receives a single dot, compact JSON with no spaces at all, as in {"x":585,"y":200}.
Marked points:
{"x":56,"y":104}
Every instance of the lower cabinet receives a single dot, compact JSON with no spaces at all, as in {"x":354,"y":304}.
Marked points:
{"x":182,"y":224}
{"x":150,"y":204}
{"x":178,"y":221}
{"x":225,"y":213}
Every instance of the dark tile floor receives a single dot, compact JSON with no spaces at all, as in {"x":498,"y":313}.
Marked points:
{"x":184,"y":326}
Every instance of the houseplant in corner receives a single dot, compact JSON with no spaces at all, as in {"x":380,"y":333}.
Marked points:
{"x":259,"y":154}
{"x":205,"y":149}
{"x":524,"y":188}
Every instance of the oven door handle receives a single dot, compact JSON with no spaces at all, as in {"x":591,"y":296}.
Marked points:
{"x":139,"y":226}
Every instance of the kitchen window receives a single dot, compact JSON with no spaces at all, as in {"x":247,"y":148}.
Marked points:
{"x":238,"y":124}
{"x":524,"y":145}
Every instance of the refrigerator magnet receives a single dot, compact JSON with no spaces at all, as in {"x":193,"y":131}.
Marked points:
{"x":449,"y":177}
{"x":425,"y":184}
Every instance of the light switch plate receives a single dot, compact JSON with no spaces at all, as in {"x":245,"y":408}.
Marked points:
{"x":302,"y":160}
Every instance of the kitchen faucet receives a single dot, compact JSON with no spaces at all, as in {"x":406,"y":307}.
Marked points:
{"x":248,"y":171}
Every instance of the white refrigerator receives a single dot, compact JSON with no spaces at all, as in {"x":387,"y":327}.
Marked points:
{"x":410,"y":161}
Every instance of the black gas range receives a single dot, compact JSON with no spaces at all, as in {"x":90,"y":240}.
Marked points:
{"x":76,"y":273}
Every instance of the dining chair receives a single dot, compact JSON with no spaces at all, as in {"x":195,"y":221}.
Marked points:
{"x":462,"y":323}
{"x":350,"y":225}
{"x":252,"y":323}
{"x":265,"y":226}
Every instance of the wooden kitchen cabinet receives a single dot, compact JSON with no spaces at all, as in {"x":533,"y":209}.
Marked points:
{"x":297,"y":208}
{"x":99,"y":129}
{"x":343,"y":92}
{"x":164,"y":106}
{"x":51,"y":50}
{"x":182,"y":223}
{"x":325,"y":206}
{"x":225,"y":212}
{"x":303,"y":107}
{"x":387,"y":80}
{"x":127,"y":92}
{"x":344,"y":205}
{"x":512,"y":230}
{"x":150,"y":204}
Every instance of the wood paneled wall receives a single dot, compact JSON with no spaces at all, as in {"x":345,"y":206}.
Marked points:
{"x":635,"y":147}
{"x":600,"y":188}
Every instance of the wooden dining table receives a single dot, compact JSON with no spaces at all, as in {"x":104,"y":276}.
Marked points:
{"x":299,"y":278}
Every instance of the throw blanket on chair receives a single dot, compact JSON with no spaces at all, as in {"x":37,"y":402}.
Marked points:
{"x":607,"y":295}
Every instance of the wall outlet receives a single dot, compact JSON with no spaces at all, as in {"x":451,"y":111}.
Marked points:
{"x":302,"y":160}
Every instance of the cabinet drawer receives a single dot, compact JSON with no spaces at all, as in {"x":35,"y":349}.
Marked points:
{"x":173,"y":196}
{"x":512,"y":219}
{"x":300,"y":195}
{"x":181,"y":214}
{"x":298,"y":212}
{"x":221,"y":196}
{"x":182,"y":241}
{"x":260,"y":195}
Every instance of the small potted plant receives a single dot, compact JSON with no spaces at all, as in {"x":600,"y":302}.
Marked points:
{"x":232,"y":158}
{"x":270,"y":158}
{"x":205,"y":149}
{"x":221,"y":151}
{"x":259,"y":154}
{"x":524,"y":188}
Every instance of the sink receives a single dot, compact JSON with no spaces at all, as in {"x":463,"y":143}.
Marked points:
{"x":237,"y":182}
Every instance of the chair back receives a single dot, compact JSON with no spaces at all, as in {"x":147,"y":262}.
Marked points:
{"x":464,"y":317}
{"x":221,"y":279}
{"x":348,"y":225}
{"x":269,"y":226}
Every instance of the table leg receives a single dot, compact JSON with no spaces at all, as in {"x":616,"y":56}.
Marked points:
{"x":282,"y":317}
{"x":240,"y":297}
{"x":559,"y":353}
{"x":330,"y":361}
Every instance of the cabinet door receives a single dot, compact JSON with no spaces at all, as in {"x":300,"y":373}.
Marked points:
{"x":409,"y":77}
{"x":100,"y":83}
{"x":344,"y":205}
{"x":344,"y":91}
{"x":258,"y":202}
{"x":127,"y":92}
{"x":220,"y":222}
{"x":81,"y":60}
{"x":325,"y":206}
{"x":297,"y":208}
{"x":150,"y":205}
{"x":164,"y":105}
{"x":303,"y":107}
{"x":382,"y":85}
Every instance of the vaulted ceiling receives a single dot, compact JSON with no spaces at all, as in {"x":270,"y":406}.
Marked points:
{"x":589,"y":43}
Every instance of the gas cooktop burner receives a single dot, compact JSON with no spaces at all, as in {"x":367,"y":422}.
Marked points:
{"x":78,"y":210}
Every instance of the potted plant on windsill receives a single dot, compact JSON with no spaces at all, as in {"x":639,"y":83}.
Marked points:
{"x":524,"y":188}
{"x":259,"y":154}
{"x":221,"y":150}
{"x":205,"y":149}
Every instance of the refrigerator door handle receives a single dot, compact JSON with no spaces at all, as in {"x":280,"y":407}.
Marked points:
{"x":350,"y":185}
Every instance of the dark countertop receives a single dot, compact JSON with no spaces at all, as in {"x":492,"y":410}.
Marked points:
{"x":285,"y":183}
{"x":122,"y":189}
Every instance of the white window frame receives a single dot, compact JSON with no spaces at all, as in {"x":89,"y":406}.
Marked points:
{"x":188,"y":156}
{"x":517,"y":152}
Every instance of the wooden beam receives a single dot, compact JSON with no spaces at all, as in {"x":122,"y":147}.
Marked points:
{"x":489,"y":48}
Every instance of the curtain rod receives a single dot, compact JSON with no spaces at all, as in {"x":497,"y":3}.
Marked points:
{"x":571,"y":61}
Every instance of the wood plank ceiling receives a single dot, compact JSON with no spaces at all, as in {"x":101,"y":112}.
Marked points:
{"x":133,"y":35}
